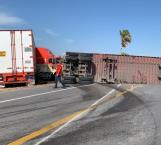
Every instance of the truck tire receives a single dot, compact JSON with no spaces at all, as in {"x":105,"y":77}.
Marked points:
{"x":70,"y":56}
{"x":89,"y":78}
{"x":85,"y":57}
{"x":69,"y":79}
{"x":86,"y":80}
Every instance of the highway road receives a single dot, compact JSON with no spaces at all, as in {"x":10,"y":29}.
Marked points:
{"x":95,"y":114}
{"x":24,"y":110}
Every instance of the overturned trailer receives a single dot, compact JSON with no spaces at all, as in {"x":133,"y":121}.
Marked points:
{"x":127,"y":69}
{"x":110,"y":68}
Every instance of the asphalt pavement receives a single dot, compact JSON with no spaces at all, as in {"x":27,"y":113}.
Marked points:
{"x":133,"y":120}
{"x":128,"y":116}
{"x":24,"y":110}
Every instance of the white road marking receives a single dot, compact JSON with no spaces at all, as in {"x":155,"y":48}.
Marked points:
{"x":76,"y":117}
{"x":113,"y":90}
{"x":62,"y":127}
{"x":40,"y":94}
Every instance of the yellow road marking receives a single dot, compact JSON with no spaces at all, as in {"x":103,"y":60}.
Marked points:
{"x":45,"y":129}
{"x":62,"y":121}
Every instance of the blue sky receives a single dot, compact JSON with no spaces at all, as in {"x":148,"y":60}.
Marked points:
{"x":87,"y":25}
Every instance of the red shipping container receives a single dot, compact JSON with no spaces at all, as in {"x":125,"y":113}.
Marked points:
{"x":127,"y":69}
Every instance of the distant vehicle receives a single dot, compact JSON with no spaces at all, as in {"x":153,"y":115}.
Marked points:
{"x":21,"y":61}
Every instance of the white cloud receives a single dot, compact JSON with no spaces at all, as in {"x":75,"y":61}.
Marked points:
{"x":6,"y":19}
{"x":69,"y":40}
{"x":55,"y":34}
{"x":52,"y":33}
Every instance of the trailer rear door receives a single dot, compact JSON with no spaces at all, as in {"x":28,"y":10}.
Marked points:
{"x":17,"y":54}
{"x":5,"y":52}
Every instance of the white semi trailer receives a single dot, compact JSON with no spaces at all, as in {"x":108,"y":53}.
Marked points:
{"x":17,"y":57}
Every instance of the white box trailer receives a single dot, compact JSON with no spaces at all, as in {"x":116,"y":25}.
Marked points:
{"x":17,"y":57}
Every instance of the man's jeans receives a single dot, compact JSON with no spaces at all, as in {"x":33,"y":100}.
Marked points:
{"x":58,"y":79}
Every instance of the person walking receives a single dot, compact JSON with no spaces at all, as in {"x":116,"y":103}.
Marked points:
{"x":58,"y":75}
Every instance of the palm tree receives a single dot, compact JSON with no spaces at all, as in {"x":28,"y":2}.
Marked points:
{"x":126,"y":38}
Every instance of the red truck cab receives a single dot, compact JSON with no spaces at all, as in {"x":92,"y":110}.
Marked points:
{"x":45,"y":61}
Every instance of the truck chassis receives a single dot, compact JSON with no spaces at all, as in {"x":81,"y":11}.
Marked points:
{"x":77,"y":68}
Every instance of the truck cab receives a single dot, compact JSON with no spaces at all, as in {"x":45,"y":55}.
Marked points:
{"x":45,"y":62}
